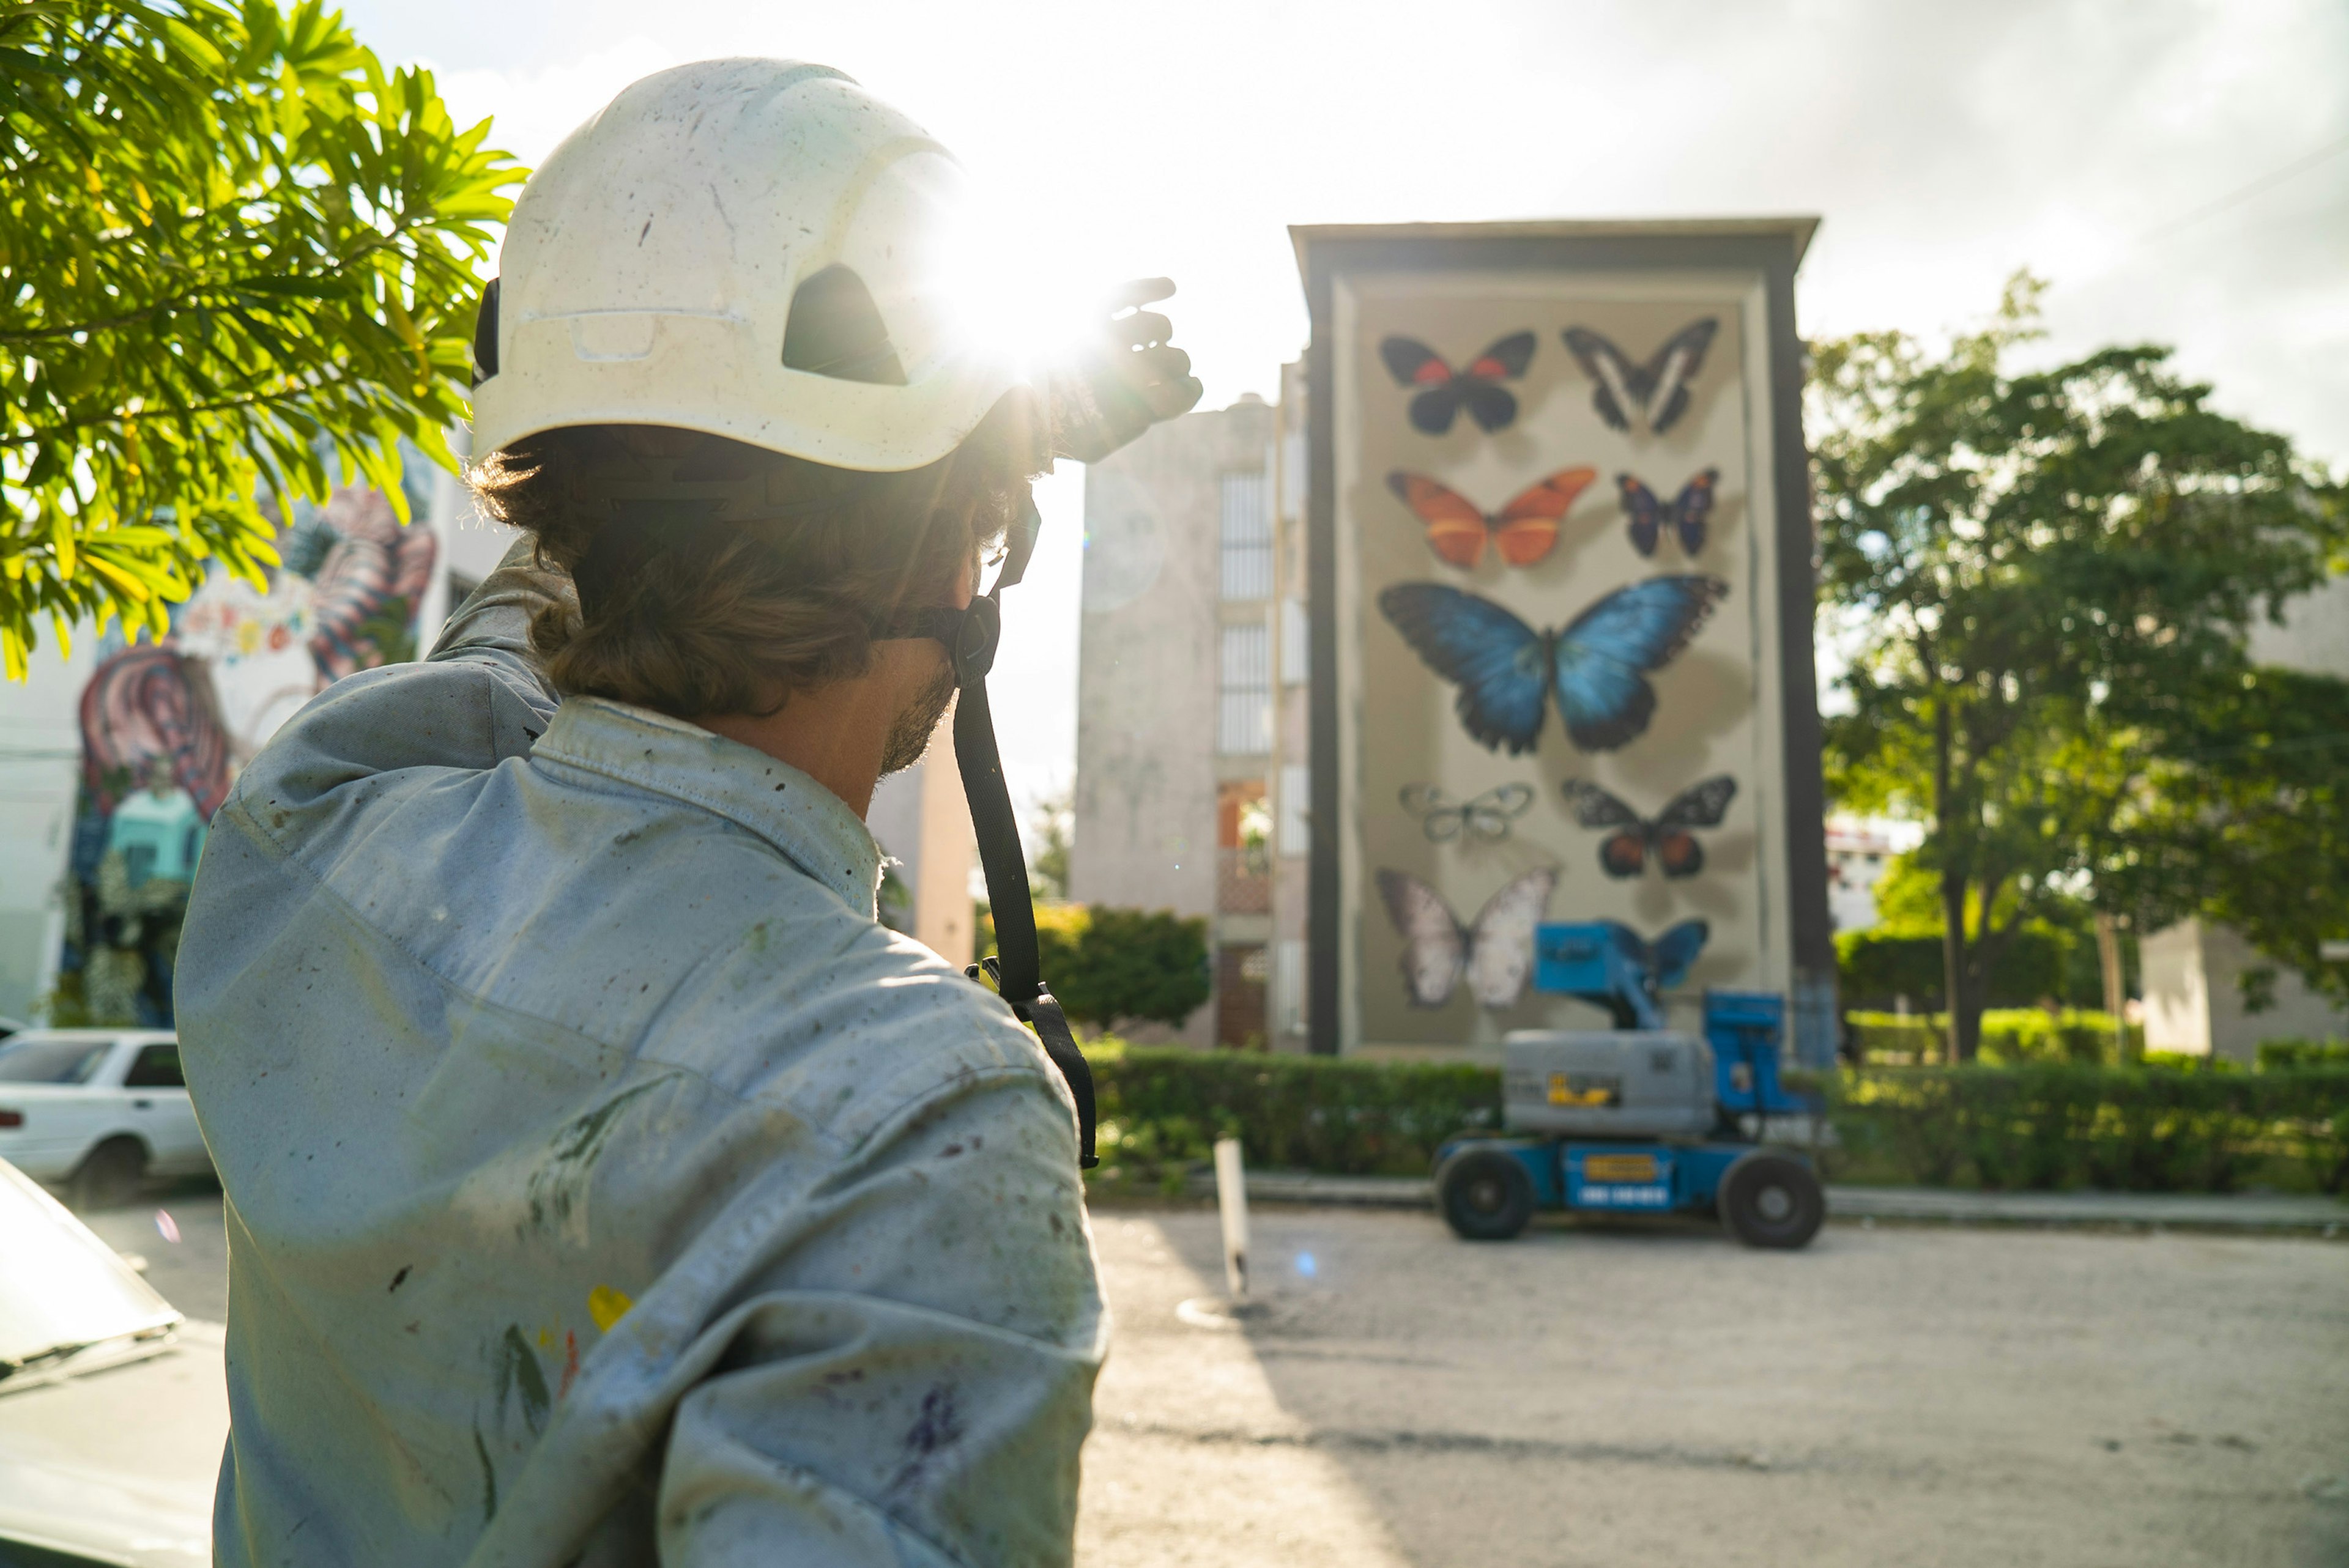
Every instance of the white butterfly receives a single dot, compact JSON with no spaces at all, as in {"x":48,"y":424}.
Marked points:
{"x":1496,"y":953}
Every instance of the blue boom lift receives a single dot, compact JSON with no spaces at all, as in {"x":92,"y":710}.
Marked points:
{"x":1638,"y":1118}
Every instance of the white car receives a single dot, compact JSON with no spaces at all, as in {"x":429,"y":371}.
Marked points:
{"x":113,"y":1407}
{"x":99,"y":1110}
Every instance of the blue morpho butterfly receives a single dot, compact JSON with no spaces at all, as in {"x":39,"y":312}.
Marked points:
{"x":1668,"y":957}
{"x":1596,"y":668}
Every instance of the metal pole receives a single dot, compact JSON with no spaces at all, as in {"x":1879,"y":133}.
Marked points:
{"x":1231,"y":1201}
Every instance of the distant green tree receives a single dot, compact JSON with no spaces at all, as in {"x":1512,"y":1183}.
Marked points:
{"x":236,"y":263}
{"x":2247,"y":825}
{"x":2041,"y":578}
{"x":1109,"y":967}
{"x":1133,"y":965}
{"x":1051,"y":831}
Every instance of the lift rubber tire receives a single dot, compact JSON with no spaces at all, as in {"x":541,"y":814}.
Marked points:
{"x":1486,"y":1195}
{"x":110,"y":1175}
{"x":1771,"y":1199}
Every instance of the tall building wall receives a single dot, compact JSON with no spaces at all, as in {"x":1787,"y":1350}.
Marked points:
{"x":1173,"y":695}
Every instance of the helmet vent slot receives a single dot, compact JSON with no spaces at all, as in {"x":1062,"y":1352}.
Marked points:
{"x":835,"y":330}
{"x":485,"y":335}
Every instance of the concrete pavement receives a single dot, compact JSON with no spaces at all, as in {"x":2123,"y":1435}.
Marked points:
{"x":1651,"y":1393}
{"x":1646,"y":1391}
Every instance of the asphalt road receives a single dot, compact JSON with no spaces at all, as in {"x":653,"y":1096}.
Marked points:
{"x":1653,"y":1394}
{"x":1658,"y":1395}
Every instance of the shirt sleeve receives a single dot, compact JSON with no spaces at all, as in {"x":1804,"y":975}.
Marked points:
{"x":912,"y":1381}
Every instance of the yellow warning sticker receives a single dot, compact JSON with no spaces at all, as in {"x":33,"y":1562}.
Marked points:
{"x":1619,"y":1167}
{"x":1575,"y":1090}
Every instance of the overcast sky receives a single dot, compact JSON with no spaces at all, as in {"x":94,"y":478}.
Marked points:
{"x":2123,"y":149}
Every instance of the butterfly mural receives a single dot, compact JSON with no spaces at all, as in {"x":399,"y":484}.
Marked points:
{"x":1486,"y":817}
{"x":1442,"y":391}
{"x":1495,"y":954}
{"x":1664,"y":838}
{"x":1595,"y":668}
{"x":1657,"y":387}
{"x":1664,"y":961}
{"x":1684,"y":515}
{"x":1522,"y":531}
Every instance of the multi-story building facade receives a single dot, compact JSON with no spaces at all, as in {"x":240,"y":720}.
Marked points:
{"x":1183,"y":698}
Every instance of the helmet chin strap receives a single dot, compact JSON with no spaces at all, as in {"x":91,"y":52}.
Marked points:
{"x":972,"y":637}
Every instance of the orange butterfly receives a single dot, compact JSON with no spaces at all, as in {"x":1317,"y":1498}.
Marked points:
{"x":1523,"y":532}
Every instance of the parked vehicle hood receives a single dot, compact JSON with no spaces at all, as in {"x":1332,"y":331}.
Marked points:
{"x":118,"y":1466}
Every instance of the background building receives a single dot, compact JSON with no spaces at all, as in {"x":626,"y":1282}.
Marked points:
{"x":1176,"y":678}
{"x":2193,"y":971}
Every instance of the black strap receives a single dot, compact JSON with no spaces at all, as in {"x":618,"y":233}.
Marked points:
{"x":971,"y":636}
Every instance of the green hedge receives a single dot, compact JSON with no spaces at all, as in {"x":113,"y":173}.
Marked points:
{"x":2302,"y":1053}
{"x":1874,"y":965}
{"x":2051,"y":1125}
{"x":2010,"y":1036}
{"x":2045,"y":1125}
{"x":1164,"y":1107}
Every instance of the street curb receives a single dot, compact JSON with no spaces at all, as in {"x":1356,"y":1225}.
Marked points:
{"x":2269,"y":1213}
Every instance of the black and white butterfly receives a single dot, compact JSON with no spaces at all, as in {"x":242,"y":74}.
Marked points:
{"x":1665,"y":838}
{"x":1657,"y":389}
{"x":1488,"y":816}
{"x":1684,"y":515}
{"x":1495,"y":954}
{"x":1442,"y":391}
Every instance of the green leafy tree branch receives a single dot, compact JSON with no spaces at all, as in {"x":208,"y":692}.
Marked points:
{"x":237,"y":266}
{"x":2041,"y":578}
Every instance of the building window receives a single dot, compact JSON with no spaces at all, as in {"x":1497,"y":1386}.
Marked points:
{"x":1246,"y":534}
{"x":1243,"y":848}
{"x":1243,"y":690}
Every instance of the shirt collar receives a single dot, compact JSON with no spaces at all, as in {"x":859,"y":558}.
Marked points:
{"x":812,"y":826}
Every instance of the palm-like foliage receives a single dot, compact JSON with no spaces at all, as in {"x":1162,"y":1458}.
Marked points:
{"x":236,"y":266}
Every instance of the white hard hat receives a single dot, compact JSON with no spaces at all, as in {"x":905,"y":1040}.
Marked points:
{"x":756,"y":249}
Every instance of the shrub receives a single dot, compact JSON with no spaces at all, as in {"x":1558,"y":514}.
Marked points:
{"x":1875,"y":965}
{"x":2010,"y":1036}
{"x":2040,"y":1125}
{"x":1313,"y":1113}
{"x":1131,"y":964}
{"x":1110,"y":966}
{"x":2052,"y":1125}
{"x":2289,"y":1054}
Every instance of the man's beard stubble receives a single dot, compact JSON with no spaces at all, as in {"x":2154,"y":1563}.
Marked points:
{"x":909,"y":737}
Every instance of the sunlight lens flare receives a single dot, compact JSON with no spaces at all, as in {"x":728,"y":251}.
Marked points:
{"x":1011,"y":297}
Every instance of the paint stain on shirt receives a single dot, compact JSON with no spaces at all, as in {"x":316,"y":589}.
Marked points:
{"x":607,"y":1307}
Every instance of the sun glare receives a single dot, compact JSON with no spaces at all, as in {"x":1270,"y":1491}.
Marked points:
{"x":1014,"y":296}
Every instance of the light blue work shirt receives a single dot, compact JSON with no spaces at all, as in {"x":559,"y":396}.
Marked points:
{"x":604,"y":1185}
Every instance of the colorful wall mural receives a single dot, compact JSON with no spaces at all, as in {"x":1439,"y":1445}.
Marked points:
{"x":166,"y":726}
{"x":1558,"y":693}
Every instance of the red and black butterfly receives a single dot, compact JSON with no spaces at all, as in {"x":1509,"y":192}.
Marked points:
{"x":1523,"y":532}
{"x":1443,"y":391}
{"x":1685,"y":513}
{"x":1625,"y":852}
{"x":1657,"y":389}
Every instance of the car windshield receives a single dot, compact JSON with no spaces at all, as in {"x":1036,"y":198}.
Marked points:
{"x":51,"y":1061}
{"x":61,"y":1287}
